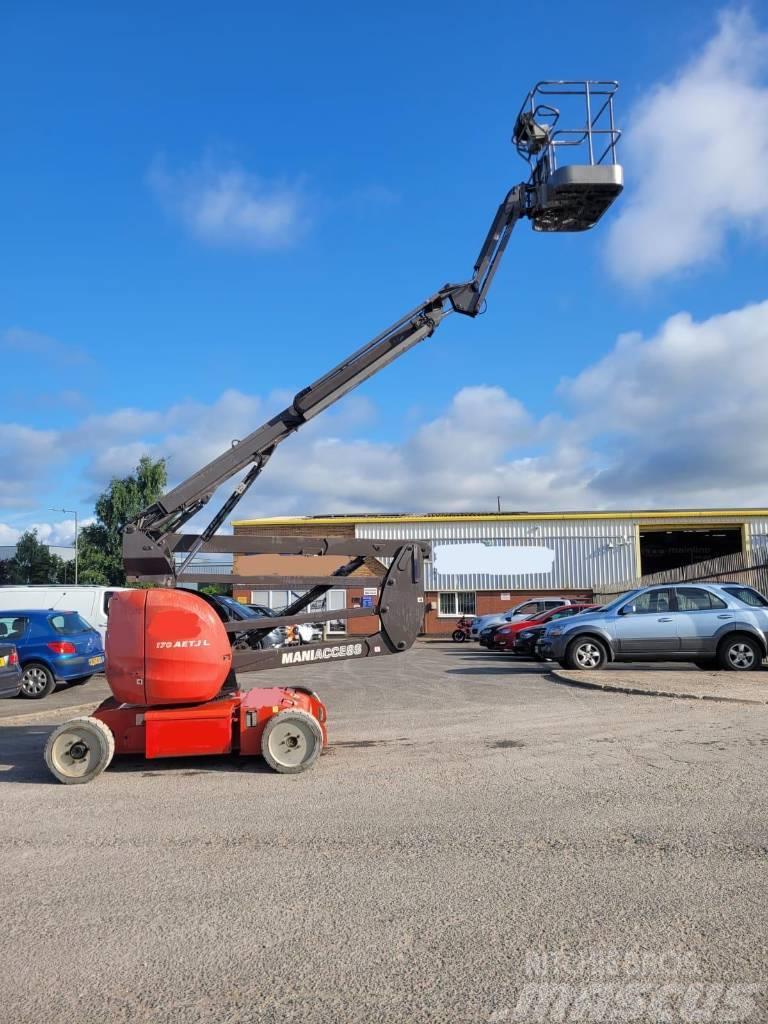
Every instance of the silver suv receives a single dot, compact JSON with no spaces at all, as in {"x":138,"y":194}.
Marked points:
{"x":721,"y":625}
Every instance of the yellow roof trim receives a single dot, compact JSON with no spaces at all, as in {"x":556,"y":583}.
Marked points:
{"x":710,"y":513}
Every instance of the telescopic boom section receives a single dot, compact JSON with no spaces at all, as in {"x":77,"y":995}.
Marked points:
{"x":573,"y":179}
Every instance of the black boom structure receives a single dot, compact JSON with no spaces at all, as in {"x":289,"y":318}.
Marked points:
{"x":573,"y":179}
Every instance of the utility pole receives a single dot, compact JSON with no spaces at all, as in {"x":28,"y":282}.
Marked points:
{"x":498,"y":502}
{"x":73,"y":512}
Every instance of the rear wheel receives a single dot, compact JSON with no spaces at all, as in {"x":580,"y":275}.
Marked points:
{"x":79,"y":750}
{"x":458,"y":636}
{"x":292,"y":741}
{"x":739,"y":653}
{"x":586,"y":652}
{"x":37,"y":681}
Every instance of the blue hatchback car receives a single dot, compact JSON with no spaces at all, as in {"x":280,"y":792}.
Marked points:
{"x":53,"y":647}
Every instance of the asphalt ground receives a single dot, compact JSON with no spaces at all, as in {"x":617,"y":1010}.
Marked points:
{"x":478,"y":843}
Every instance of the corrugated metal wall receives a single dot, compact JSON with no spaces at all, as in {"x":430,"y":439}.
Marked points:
{"x":757,"y":531}
{"x":588,"y":552}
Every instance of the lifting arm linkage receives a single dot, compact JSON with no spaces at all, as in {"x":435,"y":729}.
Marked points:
{"x":144,"y":549}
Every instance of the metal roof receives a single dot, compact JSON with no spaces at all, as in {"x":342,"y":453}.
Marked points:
{"x":449,"y":517}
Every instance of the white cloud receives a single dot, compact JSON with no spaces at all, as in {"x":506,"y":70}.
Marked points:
{"x":696,"y":153}
{"x":675,"y":419}
{"x":228,"y":206}
{"x":8,"y":535}
{"x":32,"y":343}
{"x":61,"y":533}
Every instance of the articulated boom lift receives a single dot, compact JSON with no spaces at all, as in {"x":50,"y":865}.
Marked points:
{"x":170,"y":664}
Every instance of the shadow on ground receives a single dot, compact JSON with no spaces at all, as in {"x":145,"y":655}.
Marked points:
{"x":21,"y":760}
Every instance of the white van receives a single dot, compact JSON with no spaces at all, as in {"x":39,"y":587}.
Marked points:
{"x":91,"y":602}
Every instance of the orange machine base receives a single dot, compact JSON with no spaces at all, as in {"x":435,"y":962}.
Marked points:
{"x":233,"y":722}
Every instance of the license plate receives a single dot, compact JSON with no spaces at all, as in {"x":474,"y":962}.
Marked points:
{"x":95,"y":661}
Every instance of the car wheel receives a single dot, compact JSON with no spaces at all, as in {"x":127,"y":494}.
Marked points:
{"x":739,"y":653}
{"x":586,"y":653}
{"x":36,"y":681}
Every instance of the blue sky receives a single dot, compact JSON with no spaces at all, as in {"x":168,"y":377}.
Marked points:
{"x":205,"y":208}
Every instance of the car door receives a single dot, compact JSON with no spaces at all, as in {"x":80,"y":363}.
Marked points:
{"x":646,"y":625}
{"x":700,"y":614}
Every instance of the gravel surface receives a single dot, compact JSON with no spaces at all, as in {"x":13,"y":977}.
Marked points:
{"x":472,"y":824}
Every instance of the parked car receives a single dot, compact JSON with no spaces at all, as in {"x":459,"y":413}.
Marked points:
{"x":713,"y":625}
{"x":505,"y":638}
{"x":10,"y":671}
{"x":53,"y":647}
{"x":526,"y":610}
{"x":91,"y":602}
{"x":230,"y":610}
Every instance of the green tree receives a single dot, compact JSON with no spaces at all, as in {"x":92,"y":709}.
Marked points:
{"x":33,"y":562}
{"x":101,"y":559}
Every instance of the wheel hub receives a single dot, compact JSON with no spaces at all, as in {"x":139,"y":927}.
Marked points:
{"x":78,"y":751}
{"x":741,"y":655}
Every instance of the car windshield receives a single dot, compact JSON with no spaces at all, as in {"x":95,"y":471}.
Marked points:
{"x":242,"y":611}
{"x":68,"y":623}
{"x":747,"y":596}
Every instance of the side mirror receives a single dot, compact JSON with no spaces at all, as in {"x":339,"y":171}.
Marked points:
{"x":628,"y":609}
{"x":507,"y":618}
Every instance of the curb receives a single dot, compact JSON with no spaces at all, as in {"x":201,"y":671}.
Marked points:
{"x":73,"y":709}
{"x":563,"y":680}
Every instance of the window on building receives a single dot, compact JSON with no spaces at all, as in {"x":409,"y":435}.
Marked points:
{"x":452,"y":604}
{"x":333,"y":600}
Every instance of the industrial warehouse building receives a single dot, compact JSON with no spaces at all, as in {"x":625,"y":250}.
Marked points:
{"x":566,"y":553}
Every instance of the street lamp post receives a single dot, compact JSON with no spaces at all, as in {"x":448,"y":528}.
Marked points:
{"x":70,"y":511}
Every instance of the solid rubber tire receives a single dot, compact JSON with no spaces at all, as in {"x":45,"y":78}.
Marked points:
{"x":279,"y":720}
{"x":100,"y":734}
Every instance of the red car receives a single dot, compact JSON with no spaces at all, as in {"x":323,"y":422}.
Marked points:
{"x":503,"y":638}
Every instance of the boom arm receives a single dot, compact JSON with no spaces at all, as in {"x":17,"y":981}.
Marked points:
{"x":567,"y":198}
{"x":255,"y":450}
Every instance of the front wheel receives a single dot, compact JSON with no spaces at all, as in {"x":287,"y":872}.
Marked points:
{"x":739,"y":653}
{"x":291,"y":742}
{"x":458,"y":636}
{"x":586,"y":653}
{"x":37,"y":681}
{"x":79,"y":750}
